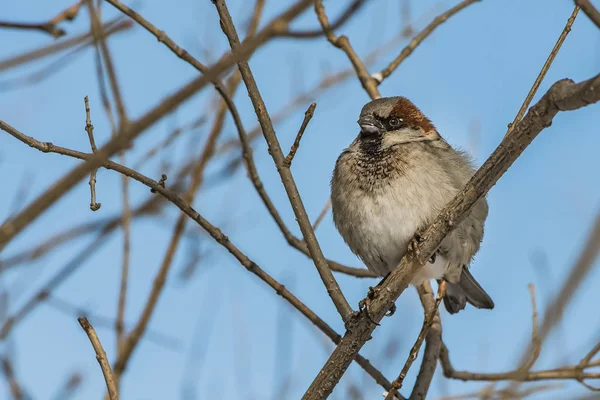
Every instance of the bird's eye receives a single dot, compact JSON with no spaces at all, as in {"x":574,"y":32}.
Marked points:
{"x":394,"y":122}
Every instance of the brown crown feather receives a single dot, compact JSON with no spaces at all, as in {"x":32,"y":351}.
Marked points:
{"x":411,"y":115}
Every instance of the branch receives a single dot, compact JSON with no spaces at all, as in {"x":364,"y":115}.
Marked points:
{"x":11,"y":228}
{"x":589,"y":10}
{"x":101,"y":357}
{"x":433,"y":346}
{"x":418,"y":39}
{"x":50,"y":27}
{"x":545,"y":68}
{"x":430,"y":315}
{"x":13,"y":383}
{"x":212,"y":230}
{"x":83,"y":40}
{"x":342,"y":43}
{"x":350,"y":11}
{"x":287,"y":162}
{"x":563,"y":95}
{"x":287,"y":179}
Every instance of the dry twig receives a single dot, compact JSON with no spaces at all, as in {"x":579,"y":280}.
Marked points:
{"x":429,"y":317}
{"x":89,"y":128}
{"x":50,"y":27}
{"x":307,"y":117}
{"x":287,"y":179}
{"x":343,"y":43}
{"x":101,"y":357}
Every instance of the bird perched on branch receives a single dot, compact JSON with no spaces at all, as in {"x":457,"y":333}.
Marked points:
{"x":391,"y":183}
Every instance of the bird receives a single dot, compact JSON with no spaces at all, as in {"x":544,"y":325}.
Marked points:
{"x":391,"y":183}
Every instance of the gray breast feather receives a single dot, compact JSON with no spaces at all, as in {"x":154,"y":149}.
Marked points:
{"x":379,"y":206}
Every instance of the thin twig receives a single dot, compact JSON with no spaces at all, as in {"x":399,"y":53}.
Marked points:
{"x":307,"y":117}
{"x":13,"y":383}
{"x":414,"y":352}
{"x":545,"y":68}
{"x":77,"y":42}
{"x":433,"y":346}
{"x":89,"y":128}
{"x":321,"y":215}
{"x":379,"y":77}
{"x":350,"y":11}
{"x":101,"y":357}
{"x":50,"y":27}
{"x":343,"y":43}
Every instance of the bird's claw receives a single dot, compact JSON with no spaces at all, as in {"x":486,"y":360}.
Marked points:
{"x":363,"y":305}
{"x":391,"y":311}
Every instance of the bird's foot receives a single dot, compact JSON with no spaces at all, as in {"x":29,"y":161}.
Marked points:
{"x":363,"y":305}
{"x":413,"y":245}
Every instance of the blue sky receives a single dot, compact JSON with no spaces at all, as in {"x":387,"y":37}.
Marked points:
{"x":475,"y":70}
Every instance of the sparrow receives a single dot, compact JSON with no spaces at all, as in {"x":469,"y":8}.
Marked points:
{"x":391,"y":183}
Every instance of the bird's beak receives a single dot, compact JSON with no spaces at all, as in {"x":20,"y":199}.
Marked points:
{"x":369,"y":125}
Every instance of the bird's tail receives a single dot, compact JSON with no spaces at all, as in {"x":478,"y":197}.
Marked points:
{"x":466,"y":290}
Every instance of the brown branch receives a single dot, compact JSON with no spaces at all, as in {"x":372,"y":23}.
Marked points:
{"x":101,"y":357}
{"x":592,"y":12}
{"x":582,"y":267}
{"x":433,"y":346}
{"x":488,"y":394}
{"x":212,"y":230}
{"x":99,"y":39}
{"x":134,"y":337}
{"x":287,"y":162}
{"x":50,"y":27}
{"x":11,"y":228}
{"x":563,"y":95}
{"x":83,"y":40}
{"x":13,"y":383}
{"x":287,"y":179}
{"x":429,"y":317}
{"x":523,"y":373}
{"x":343,"y":43}
{"x":350,"y":11}
{"x":545,"y":68}
{"x":89,"y":128}
{"x":575,"y":372}
{"x":379,"y":77}
{"x":321,"y":215}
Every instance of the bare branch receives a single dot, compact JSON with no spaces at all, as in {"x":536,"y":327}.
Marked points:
{"x":307,"y":117}
{"x":350,"y":11}
{"x":433,"y":346}
{"x":589,"y":10}
{"x":343,"y":43}
{"x":11,"y":228}
{"x":287,"y":179}
{"x":545,"y":68}
{"x":563,"y":95}
{"x":83,"y":40}
{"x":89,"y":128}
{"x":208,"y":227}
{"x":379,"y":77}
{"x":414,"y":352}
{"x":13,"y":383}
{"x":101,"y":357}
{"x":50,"y":27}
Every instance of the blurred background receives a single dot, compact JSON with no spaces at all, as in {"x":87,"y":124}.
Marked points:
{"x":218,"y":332}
